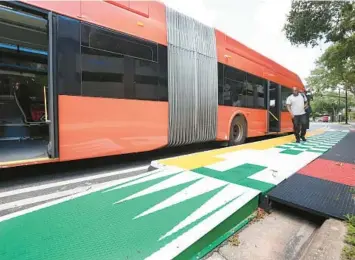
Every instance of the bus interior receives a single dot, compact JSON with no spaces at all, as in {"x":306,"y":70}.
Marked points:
{"x":24,"y":127}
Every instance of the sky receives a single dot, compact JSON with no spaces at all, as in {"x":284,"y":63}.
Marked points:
{"x":257,"y":24}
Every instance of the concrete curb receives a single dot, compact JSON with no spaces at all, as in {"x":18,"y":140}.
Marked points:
{"x":328,"y":242}
{"x":152,"y":168}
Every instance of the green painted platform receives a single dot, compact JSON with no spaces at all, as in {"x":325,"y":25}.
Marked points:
{"x":169,"y":213}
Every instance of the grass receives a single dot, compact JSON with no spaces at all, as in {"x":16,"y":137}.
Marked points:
{"x":349,"y":249}
{"x":234,"y":240}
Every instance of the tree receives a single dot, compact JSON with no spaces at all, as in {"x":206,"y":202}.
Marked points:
{"x":324,"y":104}
{"x":339,"y":64}
{"x":329,"y":103}
{"x":332,"y":72}
{"x":324,"y":83}
{"x":322,"y":79}
{"x":311,"y":22}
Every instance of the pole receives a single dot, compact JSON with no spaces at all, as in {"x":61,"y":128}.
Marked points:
{"x":346,"y":105}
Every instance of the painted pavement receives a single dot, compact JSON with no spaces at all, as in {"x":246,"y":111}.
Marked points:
{"x":181,"y":210}
{"x":324,"y":187}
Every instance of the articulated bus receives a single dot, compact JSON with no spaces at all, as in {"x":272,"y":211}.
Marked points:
{"x":85,"y":79}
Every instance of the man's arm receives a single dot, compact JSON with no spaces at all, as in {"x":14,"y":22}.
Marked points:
{"x":305,"y":101}
{"x":289,"y":109}
{"x":288,"y":105}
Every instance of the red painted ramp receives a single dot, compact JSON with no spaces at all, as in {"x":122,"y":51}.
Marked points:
{"x":338,"y":172}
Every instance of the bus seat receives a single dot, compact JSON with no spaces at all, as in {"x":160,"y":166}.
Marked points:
{"x":25,"y":105}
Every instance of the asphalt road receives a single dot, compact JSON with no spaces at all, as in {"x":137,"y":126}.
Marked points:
{"x":23,"y":189}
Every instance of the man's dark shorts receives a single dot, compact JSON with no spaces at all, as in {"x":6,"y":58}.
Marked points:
{"x":300,"y":120}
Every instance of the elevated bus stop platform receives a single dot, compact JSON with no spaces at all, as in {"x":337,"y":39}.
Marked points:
{"x":326,"y":186}
{"x":181,"y":210}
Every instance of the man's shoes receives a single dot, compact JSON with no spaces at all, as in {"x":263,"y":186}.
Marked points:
{"x":303,"y":139}
{"x":298,"y":141}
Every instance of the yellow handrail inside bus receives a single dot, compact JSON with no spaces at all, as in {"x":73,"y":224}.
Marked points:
{"x":273,"y":116}
{"x":45,"y":103}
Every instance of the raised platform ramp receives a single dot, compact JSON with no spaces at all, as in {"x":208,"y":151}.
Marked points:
{"x":326,"y":186}
{"x":180,"y":211}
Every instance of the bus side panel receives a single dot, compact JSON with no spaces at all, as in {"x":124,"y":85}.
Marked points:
{"x":94,"y":127}
{"x":237,"y":55}
{"x":286,"y":122}
{"x":226,"y":56}
{"x":69,"y":8}
{"x":145,"y":19}
{"x":256,"y":120}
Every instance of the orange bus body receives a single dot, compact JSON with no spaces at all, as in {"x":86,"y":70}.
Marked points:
{"x":94,"y":127}
{"x":91,"y":127}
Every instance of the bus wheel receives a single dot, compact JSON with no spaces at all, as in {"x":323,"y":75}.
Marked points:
{"x":238,"y":131}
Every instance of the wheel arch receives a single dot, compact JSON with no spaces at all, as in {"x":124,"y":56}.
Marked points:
{"x":233,"y":116}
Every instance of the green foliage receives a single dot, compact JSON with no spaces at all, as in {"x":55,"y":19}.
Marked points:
{"x":311,"y":22}
{"x":348,"y":253}
{"x":349,"y":249}
{"x":351,"y":230}
{"x":350,"y":239}
{"x":339,"y":62}
{"x":326,"y":105}
{"x":322,"y":78}
{"x":323,"y":83}
{"x":350,"y":219}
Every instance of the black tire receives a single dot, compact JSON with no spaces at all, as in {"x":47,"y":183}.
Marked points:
{"x":238,"y":131}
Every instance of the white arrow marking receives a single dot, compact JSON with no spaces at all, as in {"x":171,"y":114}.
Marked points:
{"x":200,"y":187}
{"x":221,"y":198}
{"x":181,"y":178}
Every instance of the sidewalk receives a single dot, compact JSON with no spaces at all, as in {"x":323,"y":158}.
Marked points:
{"x":284,"y":236}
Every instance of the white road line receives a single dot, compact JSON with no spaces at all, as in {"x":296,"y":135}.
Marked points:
{"x":72,"y":181}
{"x":41,"y":198}
{"x":94,"y":188}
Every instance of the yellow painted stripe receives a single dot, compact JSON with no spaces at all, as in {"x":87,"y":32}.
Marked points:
{"x":23,"y":162}
{"x":201,"y":159}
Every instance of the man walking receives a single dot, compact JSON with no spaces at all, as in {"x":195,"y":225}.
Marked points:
{"x":296,"y":104}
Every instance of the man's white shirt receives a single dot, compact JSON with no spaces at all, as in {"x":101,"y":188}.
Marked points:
{"x":297,"y":104}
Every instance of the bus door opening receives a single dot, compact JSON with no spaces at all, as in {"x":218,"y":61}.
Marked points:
{"x":24,"y":85}
{"x":274,"y":108}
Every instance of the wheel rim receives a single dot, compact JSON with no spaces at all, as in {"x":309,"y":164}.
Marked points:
{"x":238,"y":132}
